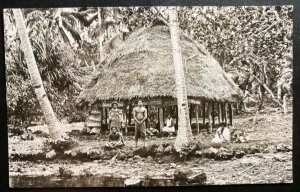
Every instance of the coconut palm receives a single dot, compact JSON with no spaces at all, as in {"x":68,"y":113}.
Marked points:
{"x":184,"y":127}
{"x":50,"y":118}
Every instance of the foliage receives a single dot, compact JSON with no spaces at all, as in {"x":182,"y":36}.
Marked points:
{"x":253,"y":44}
{"x":57,"y":66}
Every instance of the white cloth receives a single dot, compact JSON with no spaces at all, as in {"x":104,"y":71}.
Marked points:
{"x":169,"y":122}
{"x":220,"y":136}
{"x":169,"y":128}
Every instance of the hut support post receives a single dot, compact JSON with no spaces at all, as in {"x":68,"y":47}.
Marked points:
{"x":125,"y":118}
{"x":129,"y":114}
{"x":161,"y":118}
{"x":176,"y":107}
{"x":197,"y":120}
{"x":191,"y":112}
{"x":225,"y":113}
{"x":230,"y":114}
{"x":102,"y":116}
{"x":237,"y":108}
{"x":209,"y":118}
{"x":220,"y":112}
{"x":213,"y":113}
{"x":203,"y":112}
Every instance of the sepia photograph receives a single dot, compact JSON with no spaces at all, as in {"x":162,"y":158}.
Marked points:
{"x":149,"y":96}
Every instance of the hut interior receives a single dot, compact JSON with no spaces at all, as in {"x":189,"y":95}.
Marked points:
{"x":204,"y":115}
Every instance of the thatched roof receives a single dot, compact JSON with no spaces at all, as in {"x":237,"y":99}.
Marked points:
{"x":142,"y":66}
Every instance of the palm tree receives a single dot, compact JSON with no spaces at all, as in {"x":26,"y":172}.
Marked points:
{"x":50,"y":118}
{"x":184,"y":126}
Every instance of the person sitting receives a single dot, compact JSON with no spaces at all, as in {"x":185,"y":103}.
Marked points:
{"x":114,"y":139}
{"x":222,"y":134}
{"x":239,"y":136}
{"x":169,"y":128}
{"x":151,"y":127}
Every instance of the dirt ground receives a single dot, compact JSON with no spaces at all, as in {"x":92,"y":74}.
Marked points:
{"x":265,"y":130}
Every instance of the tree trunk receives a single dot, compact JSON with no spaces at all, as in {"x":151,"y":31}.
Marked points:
{"x":65,"y":34}
{"x":100,"y":36}
{"x":284,"y":104}
{"x":261,"y":104}
{"x":184,"y":126}
{"x":36,"y":80}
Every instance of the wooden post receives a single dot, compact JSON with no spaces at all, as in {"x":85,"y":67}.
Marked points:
{"x":237,"y":108}
{"x":203,"y":111}
{"x":102,"y":116}
{"x":213,"y":113}
{"x":209,"y":117}
{"x":106,"y":119}
{"x":176,"y":116}
{"x":161,"y":118}
{"x":191,"y":112}
{"x":225,"y":113}
{"x":197,"y":120}
{"x":106,"y":116}
{"x":147,"y":108}
{"x":230,"y":114}
{"x":220,"y":112}
{"x":125,"y":118}
{"x":129,"y":114}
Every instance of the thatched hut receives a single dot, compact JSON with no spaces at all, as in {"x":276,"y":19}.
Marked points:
{"x":141,"y":67}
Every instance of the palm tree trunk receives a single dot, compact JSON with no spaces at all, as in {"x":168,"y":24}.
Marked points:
{"x":184,"y":126}
{"x":36,"y":81}
{"x":65,"y":34}
{"x":100,"y":37}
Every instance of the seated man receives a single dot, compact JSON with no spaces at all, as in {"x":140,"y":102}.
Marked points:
{"x":151,"y":127}
{"x":114,"y":139}
{"x":222,"y":134}
{"x":169,"y":128}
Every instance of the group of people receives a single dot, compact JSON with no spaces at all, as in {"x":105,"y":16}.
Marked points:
{"x":141,"y":130}
{"x":223,"y":133}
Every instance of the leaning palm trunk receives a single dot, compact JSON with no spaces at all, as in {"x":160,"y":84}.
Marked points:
{"x":184,"y":127}
{"x":51,"y":120}
{"x":100,"y":36}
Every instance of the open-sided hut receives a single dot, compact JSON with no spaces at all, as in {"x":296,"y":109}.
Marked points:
{"x":141,"y":67}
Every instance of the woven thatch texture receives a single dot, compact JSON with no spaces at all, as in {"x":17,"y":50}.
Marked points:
{"x":142,"y":66}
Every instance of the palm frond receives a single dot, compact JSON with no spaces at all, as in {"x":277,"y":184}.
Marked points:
{"x":70,"y":18}
{"x":73,"y":32}
{"x":87,"y":10}
{"x":64,"y":35}
{"x":99,"y":29}
{"x":82,"y":17}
